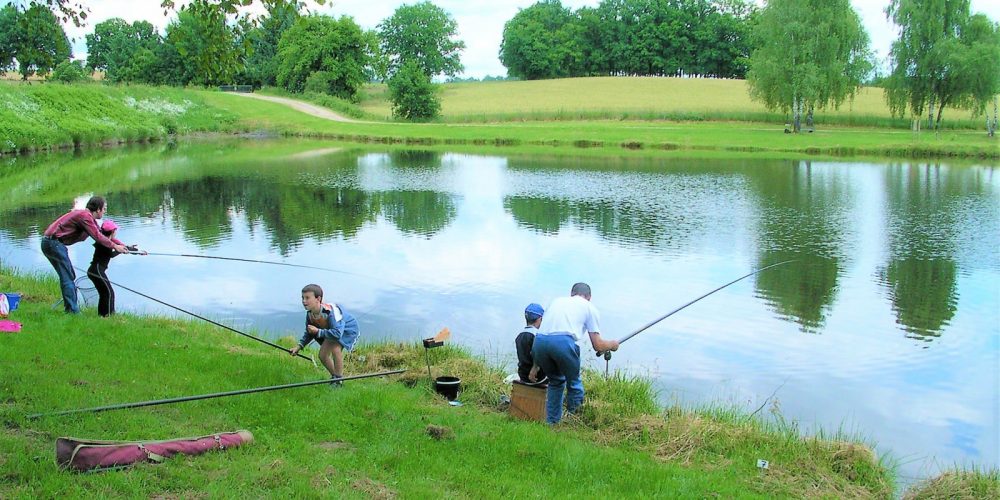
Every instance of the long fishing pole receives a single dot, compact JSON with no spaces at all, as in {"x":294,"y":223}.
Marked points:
{"x":607,"y":354}
{"x":220,"y":325}
{"x":238,"y":259}
{"x":209,"y":396}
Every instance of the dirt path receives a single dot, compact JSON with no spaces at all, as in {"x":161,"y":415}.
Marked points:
{"x":305,"y":107}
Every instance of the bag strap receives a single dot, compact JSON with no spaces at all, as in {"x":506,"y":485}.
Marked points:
{"x":150,"y":455}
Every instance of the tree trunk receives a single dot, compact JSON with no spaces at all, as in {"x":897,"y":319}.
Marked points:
{"x":809,"y":119}
{"x":797,"y":115}
{"x":993,"y":128}
{"x":930,"y":114}
{"x":937,"y":123}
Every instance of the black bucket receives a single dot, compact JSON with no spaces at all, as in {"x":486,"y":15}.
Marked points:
{"x":448,"y":387}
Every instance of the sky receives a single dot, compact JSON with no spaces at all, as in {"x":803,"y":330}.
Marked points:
{"x":480,"y":22}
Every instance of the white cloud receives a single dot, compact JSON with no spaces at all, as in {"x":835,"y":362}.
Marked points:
{"x":480,"y":22}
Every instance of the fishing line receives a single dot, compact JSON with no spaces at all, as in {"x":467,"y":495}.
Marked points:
{"x":238,"y":259}
{"x":247,"y":335}
{"x":607,"y":354}
{"x":155,"y":402}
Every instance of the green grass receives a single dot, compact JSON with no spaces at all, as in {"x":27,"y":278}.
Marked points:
{"x":958,"y":484}
{"x":543,"y":114}
{"x":371,"y":438}
{"x":50,"y":116}
{"x":606,"y":137}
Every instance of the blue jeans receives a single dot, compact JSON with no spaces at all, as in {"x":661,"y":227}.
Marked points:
{"x":559,"y":357}
{"x":55,"y":251}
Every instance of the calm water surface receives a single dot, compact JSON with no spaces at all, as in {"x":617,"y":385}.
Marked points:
{"x":886,"y":325}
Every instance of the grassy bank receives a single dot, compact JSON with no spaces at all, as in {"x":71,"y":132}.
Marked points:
{"x":45,"y":116}
{"x":50,"y":116}
{"x":377,"y":437}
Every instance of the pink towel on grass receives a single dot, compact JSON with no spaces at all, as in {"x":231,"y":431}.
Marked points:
{"x":7,"y":325}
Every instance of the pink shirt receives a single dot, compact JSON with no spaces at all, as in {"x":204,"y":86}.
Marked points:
{"x":75,"y":226}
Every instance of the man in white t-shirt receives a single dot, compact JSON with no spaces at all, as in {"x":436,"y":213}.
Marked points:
{"x":567,"y":321}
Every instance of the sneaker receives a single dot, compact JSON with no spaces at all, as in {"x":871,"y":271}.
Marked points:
{"x":335,"y":382}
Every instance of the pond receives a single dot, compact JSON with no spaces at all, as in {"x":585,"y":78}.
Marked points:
{"x":884,"y":326}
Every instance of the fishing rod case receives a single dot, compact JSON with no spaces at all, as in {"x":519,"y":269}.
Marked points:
{"x":83,"y":455}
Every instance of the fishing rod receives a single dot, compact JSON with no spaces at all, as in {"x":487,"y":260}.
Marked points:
{"x":209,"y":396}
{"x":607,"y":354}
{"x":247,"y":335}
{"x":238,"y":259}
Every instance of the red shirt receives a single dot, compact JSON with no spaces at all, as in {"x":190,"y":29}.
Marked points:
{"x":75,"y":226}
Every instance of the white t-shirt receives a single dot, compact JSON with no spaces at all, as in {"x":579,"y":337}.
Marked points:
{"x":570,"y":315}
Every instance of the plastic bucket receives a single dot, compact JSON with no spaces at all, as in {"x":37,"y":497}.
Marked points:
{"x":448,"y":387}
{"x":13,"y":299}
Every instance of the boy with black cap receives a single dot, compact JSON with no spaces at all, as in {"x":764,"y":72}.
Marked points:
{"x":524,"y":342}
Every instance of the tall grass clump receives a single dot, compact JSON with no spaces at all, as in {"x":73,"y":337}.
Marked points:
{"x":971,"y":484}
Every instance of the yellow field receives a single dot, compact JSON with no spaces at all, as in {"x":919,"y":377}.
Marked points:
{"x":640,"y":95}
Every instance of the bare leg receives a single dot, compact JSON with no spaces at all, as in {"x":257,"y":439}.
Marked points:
{"x":330,"y":353}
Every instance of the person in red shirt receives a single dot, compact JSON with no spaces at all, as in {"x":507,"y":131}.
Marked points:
{"x":74,"y":227}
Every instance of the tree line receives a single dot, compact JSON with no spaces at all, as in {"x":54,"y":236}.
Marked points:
{"x":630,"y":38}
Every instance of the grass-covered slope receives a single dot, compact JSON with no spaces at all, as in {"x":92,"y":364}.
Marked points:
{"x":42,"y":116}
{"x":371,"y":438}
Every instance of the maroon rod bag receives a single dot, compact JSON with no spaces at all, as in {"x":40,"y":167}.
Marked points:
{"x":91,"y":455}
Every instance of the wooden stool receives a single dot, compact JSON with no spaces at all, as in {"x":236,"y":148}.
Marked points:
{"x":527,"y":401}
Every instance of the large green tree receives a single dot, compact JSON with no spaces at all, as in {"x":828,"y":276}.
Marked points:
{"x":809,"y":54}
{"x":122,"y":50}
{"x":261,"y":65}
{"x":982,"y":63}
{"x":314,"y":44}
{"x":8,"y":37}
{"x":544,"y":40}
{"x":33,"y":40}
{"x":211,"y":49}
{"x":425,"y":34}
{"x":76,"y":12}
{"x":943,"y":57}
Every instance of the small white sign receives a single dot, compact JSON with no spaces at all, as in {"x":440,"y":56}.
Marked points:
{"x":762,"y":464}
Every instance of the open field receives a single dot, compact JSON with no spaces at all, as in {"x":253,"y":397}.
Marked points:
{"x":639,"y":98}
{"x":618,"y":137}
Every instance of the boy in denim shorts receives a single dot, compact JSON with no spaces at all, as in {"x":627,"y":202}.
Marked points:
{"x":331,"y":327}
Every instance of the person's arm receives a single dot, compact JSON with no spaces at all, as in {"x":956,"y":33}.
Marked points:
{"x":336,"y":327}
{"x":306,"y":338}
{"x":602,"y":345}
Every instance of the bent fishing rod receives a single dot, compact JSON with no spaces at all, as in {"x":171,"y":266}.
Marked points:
{"x":155,"y":402}
{"x":607,"y":354}
{"x":238,"y":259}
{"x":247,"y":335}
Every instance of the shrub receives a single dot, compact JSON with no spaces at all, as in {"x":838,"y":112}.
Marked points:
{"x":413,"y":95}
{"x":321,"y":82}
{"x":69,"y":72}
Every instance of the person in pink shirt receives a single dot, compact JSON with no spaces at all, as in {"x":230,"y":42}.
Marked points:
{"x":74,"y":227}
